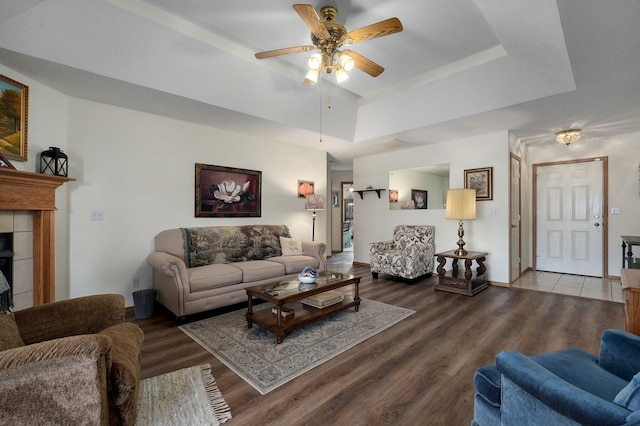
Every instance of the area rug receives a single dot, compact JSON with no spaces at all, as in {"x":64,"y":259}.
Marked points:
{"x":184,"y":397}
{"x":254,"y":355}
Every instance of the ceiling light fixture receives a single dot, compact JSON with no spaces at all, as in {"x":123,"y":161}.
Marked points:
{"x":315,"y":61}
{"x":568,"y":137}
{"x":329,"y":36}
{"x":312,"y":77}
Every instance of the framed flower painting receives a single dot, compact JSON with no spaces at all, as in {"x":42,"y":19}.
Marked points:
{"x":227,"y":192}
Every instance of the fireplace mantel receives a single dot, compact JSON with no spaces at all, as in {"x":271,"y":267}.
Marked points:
{"x":35,"y":192}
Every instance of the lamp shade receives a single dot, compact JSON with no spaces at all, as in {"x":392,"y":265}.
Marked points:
{"x":314,"y":202}
{"x":461,"y":204}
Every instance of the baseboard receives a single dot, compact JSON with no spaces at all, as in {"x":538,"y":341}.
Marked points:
{"x":361,"y":264}
{"x":498,"y":284}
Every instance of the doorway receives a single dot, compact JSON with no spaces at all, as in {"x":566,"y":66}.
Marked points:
{"x":347,"y":216}
{"x":569,"y":227}
{"x":515,"y":209}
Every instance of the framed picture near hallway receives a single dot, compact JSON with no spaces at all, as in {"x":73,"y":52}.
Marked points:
{"x":305,"y":187}
{"x":482,"y":181}
{"x":227,"y":192}
{"x":14,"y":114}
{"x":419,"y":198}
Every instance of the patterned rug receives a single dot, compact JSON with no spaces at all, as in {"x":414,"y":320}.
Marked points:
{"x":254,"y":355}
{"x":184,"y":397}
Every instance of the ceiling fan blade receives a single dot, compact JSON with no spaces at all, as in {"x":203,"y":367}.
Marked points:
{"x":313,"y":21}
{"x":285,"y":51}
{"x":380,"y":29}
{"x":365,"y":64}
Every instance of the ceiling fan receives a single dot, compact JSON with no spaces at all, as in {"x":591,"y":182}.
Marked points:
{"x":329,"y":36}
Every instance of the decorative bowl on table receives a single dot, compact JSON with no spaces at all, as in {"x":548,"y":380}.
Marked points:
{"x":308,"y":275}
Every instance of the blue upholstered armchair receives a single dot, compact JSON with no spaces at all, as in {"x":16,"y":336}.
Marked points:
{"x":565,"y":387}
{"x":409,"y":255}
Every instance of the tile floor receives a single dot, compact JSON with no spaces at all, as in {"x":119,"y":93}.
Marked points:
{"x":575,"y":285}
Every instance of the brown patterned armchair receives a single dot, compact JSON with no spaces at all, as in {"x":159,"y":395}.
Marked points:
{"x":70,"y":362}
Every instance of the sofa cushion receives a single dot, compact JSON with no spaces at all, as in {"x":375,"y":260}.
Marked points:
{"x":295,"y":264}
{"x":9,"y":334}
{"x":213,"y":276}
{"x":629,"y":396}
{"x":291,"y":246}
{"x":581,"y":369}
{"x":229,"y":244}
{"x":256,"y":270}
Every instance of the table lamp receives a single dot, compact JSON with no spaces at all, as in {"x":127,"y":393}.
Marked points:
{"x":314,"y":202}
{"x":461,"y":205}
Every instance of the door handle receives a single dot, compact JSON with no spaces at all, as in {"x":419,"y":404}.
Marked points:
{"x":596,"y":224}
{"x":514,"y":226}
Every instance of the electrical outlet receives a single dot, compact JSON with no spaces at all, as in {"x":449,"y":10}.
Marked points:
{"x":493,"y":212}
{"x":135,"y":283}
{"x":616,"y":210}
{"x":96,"y":214}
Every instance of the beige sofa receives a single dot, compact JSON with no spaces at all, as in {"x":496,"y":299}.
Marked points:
{"x":203,"y":268}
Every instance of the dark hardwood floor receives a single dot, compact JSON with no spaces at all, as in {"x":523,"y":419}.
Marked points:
{"x":418,"y":372}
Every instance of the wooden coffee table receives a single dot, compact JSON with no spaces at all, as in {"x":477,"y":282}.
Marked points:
{"x":290,"y":293}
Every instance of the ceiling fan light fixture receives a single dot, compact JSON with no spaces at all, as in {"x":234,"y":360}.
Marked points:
{"x":315,"y":61}
{"x":568,"y":137}
{"x":346,"y":61}
{"x":341,"y":75}
{"x":311,"y":77}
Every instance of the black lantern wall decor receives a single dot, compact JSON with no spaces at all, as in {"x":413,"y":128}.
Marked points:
{"x":53,"y":162}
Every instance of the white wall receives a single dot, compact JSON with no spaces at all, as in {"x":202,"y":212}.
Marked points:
{"x":489,"y":233}
{"x":139,"y":169}
{"x":624,"y":188}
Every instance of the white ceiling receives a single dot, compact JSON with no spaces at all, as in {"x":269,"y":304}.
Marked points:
{"x":459,"y":68}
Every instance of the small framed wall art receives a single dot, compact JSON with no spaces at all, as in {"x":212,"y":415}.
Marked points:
{"x":305,"y":187}
{"x":482,"y":181}
{"x":4,"y":163}
{"x":14,"y":115}
{"x":227,"y":192}
{"x":419,"y":198}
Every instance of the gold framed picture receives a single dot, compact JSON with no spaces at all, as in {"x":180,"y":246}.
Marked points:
{"x":14,"y":118}
{"x":482,"y":181}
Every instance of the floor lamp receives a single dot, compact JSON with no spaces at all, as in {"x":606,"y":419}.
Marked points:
{"x":314,"y":202}
{"x":461,"y":205}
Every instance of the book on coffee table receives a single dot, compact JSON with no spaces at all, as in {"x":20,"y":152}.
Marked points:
{"x":322,"y":300}
{"x":285,"y":312}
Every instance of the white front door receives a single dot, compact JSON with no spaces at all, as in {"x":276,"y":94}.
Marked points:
{"x":569,"y":220}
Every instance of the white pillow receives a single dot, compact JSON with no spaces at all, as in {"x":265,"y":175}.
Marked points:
{"x":291,"y":246}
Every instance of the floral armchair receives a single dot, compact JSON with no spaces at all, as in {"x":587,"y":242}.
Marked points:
{"x":409,"y":255}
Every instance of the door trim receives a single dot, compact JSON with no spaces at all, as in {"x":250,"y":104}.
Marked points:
{"x":605,"y":207}
{"x":513,"y":157}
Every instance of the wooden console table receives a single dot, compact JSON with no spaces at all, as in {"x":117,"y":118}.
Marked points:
{"x":631,"y":288}
{"x":471,"y":282}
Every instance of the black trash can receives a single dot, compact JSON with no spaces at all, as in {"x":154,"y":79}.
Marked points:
{"x":144,"y":302}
